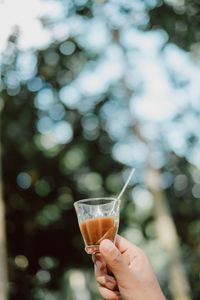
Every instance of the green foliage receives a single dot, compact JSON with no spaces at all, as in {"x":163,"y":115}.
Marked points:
{"x":60,"y":136}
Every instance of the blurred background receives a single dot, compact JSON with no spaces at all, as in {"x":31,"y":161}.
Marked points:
{"x":90,"y":89}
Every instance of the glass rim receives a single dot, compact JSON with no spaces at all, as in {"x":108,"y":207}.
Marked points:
{"x":96,"y":199}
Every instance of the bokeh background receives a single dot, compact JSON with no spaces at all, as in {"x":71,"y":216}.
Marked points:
{"x":90,"y":89}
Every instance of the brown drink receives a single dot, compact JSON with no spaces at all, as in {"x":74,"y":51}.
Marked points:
{"x":97,"y":229}
{"x":98,"y":220}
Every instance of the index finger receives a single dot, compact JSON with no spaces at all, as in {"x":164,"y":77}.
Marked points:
{"x":100,"y":265}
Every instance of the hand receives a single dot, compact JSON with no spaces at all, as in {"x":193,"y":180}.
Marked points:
{"x":132,"y":276}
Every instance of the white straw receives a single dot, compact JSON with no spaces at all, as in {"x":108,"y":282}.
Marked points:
{"x":126,"y":183}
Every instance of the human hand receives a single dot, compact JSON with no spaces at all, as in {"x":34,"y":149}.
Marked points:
{"x":132,"y":276}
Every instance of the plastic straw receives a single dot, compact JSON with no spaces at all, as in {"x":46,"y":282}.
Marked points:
{"x":126,"y":184}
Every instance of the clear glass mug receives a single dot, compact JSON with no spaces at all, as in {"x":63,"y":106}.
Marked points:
{"x":98,"y":219}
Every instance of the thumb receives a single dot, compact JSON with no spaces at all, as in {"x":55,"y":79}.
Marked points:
{"x":114,"y":260}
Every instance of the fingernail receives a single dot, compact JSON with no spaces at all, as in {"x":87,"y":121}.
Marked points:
{"x":106,"y":245}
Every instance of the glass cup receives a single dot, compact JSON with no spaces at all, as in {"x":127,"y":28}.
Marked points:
{"x":98,"y":219}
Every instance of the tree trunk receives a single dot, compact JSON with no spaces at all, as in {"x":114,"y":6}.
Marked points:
{"x":166,"y":229}
{"x":168,"y":237}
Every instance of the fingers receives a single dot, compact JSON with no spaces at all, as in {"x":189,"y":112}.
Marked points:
{"x":107,"y":281}
{"x":109,"y":295}
{"x":101,"y":274}
{"x":114,"y":259}
{"x":117,"y":259}
{"x":100,"y":265}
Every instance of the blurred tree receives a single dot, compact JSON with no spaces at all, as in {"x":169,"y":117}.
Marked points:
{"x":46,"y":173}
{"x":68,"y":130}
